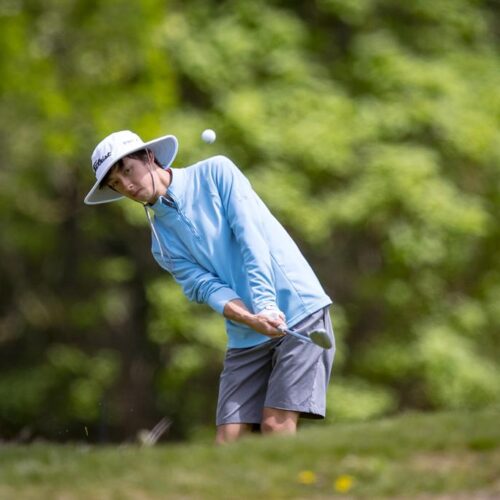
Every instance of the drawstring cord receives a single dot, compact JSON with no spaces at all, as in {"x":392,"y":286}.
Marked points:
{"x":153,"y":230}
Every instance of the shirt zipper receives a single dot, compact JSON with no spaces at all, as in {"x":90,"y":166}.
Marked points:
{"x":171,"y":201}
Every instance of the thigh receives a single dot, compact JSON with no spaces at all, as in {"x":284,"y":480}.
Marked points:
{"x":301,"y":371}
{"x":243,"y":384}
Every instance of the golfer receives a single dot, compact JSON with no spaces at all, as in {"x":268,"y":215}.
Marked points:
{"x":223,"y":246}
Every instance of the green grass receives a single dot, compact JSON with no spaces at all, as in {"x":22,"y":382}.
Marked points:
{"x":415,"y":455}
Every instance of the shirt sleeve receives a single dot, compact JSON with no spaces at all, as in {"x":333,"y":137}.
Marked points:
{"x":245,"y":211}
{"x":198,"y":284}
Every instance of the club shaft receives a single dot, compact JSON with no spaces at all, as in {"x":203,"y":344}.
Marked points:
{"x":295,"y":334}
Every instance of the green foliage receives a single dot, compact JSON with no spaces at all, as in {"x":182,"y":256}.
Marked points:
{"x":192,"y":342}
{"x":68,"y":387}
{"x":370,"y":128}
{"x":356,"y":400}
{"x":456,"y":375}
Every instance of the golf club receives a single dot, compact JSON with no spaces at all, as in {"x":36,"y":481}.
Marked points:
{"x":318,"y":337}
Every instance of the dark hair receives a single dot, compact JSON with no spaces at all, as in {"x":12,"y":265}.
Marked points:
{"x":141,"y":155}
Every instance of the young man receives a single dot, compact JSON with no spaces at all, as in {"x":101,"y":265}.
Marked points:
{"x":222,"y":245}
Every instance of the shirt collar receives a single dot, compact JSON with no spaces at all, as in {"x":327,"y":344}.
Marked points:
{"x":175,"y":190}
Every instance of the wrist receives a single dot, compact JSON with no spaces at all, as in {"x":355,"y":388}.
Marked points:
{"x":267,"y":307}
{"x":247,"y":318}
{"x":273,"y":313}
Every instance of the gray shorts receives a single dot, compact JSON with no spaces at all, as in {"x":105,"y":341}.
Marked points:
{"x":284,"y":373}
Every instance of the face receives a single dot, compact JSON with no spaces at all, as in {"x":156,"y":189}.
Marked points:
{"x":133,"y":180}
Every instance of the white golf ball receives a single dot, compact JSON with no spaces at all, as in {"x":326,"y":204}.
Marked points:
{"x":208,"y":136}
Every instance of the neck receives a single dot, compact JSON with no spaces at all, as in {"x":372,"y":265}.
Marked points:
{"x":164,"y":177}
{"x":162,"y":180}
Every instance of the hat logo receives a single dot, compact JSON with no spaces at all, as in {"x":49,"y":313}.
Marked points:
{"x":100,"y":161}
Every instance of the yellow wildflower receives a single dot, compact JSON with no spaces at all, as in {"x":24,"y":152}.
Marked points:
{"x":343,"y":483}
{"x":306,"y":477}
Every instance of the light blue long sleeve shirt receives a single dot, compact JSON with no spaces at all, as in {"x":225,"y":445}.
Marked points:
{"x":220,"y":242}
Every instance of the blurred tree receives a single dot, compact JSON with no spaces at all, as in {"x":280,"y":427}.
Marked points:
{"x":71,"y":73}
{"x":370,"y":128}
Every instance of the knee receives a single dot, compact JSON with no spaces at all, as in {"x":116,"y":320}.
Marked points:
{"x":220,"y":437}
{"x":271,"y":425}
{"x":277,"y":421}
{"x":229,"y":433}
{"x":224,"y":436}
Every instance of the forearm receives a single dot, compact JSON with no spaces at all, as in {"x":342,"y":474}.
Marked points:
{"x":236,"y":310}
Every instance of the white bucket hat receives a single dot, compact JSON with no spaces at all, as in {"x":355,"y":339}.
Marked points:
{"x":117,"y":145}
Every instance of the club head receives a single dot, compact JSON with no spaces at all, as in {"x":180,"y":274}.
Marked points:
{"x":321,"y":339}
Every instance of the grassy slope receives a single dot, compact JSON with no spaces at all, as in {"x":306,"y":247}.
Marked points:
{"x":442,"y":455}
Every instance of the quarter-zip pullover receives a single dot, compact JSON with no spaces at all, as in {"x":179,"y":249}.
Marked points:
{"x":220,"y":242}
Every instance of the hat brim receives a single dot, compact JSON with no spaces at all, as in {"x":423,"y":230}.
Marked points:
{"x":165,"y":150}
